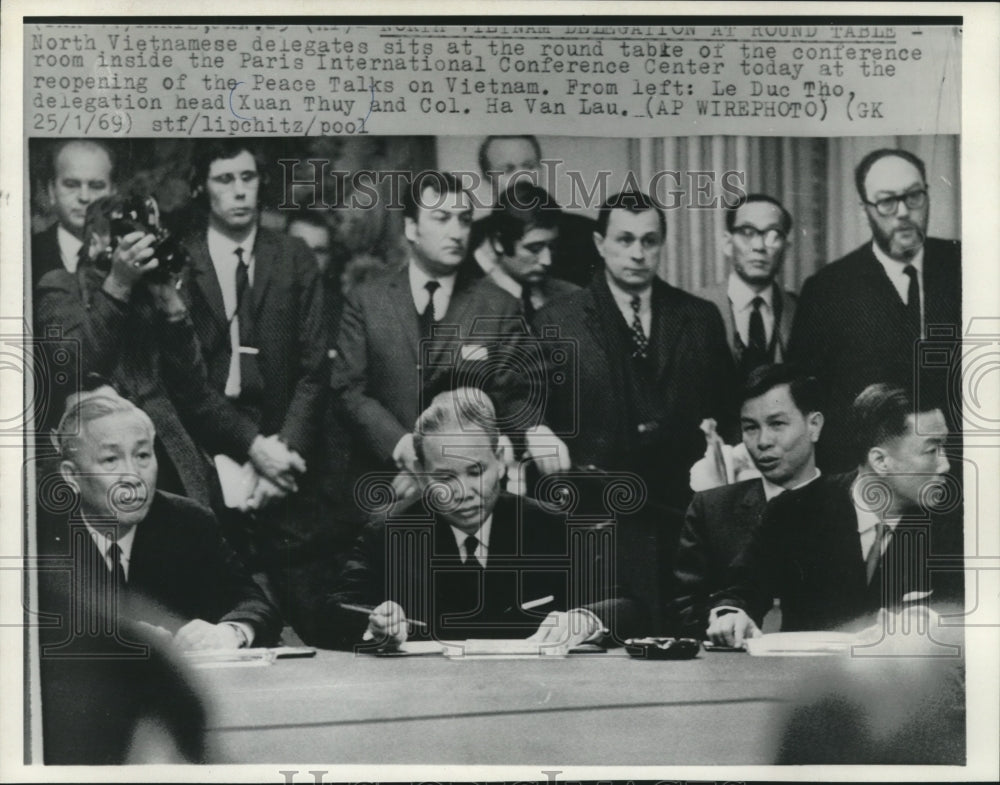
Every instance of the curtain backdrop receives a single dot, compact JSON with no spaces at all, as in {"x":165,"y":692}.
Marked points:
{"x":812,"y":177}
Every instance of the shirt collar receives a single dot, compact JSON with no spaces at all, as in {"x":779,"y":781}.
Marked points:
{"x":867,"y":518}
{"x":223,"y":249}
{"x":103,"y":542}
{"x":419,"y":279}
{"x":624,"y":299}
{"x":483,"y":535}
{"x":69,"y":247}
{"x":741,"y":295}
{"x":771,"y":489}
{"x":894,"y":267}
{"x":503,"y":279}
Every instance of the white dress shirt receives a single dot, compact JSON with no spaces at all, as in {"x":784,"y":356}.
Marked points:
{"x":894,"y":269}
{"x":442,"y":297}
{"x":104,"y":543}
{"x":741,"y":298}
{"x":867,"y":519}
{"x":483,"y":536}
{"x":624,"y":302}
{"x":222,"y":250}
{"x":69,"y":248}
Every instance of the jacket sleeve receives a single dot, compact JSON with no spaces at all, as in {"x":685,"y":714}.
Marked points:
{"x":305,"y":410}
{"x":753,"y":577}
{"x":688,"y":609}
{"x":229,"y":591}
{"x":206,"y":413}
{"x":373,"y":424}
{"x":97,"y":326}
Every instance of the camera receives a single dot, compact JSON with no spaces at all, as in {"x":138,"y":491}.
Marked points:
{"x":128,"y":214}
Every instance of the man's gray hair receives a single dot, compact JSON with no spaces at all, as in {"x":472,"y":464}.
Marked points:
{"x":86,"y":407}
{"x":457,"y":412}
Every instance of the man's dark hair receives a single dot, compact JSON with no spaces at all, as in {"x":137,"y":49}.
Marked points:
{"x":806,"y":391}
{"x":440,"y":182}
{"x":862,"y":169}
{"x":483,"y":155}
{"x":878,"y":415}
{"x":634,"y":202}
{"x":521,"y":208}
{"x":786,"y":217}
{"x":207,"y":152}
{"x":54,"y":152}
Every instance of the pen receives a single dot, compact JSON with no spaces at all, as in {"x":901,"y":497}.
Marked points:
{"x":347,"y":606}
{"x":527,"y":606}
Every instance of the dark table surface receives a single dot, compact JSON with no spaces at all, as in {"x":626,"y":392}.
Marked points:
{"x":586,"y":709}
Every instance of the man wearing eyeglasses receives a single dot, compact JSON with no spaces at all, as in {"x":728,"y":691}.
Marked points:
{"x":859,"y":318}
{"x":756,"y":311}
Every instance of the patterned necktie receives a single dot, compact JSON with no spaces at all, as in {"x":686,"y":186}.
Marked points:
{"x":428,"y":317}
{"x":639,"y":338}
{"x":117,"y":568}
{"x":913,"y":300}
{"x":471,"y":543}
{"x":882,"y":532}
{"x":758,"y":336}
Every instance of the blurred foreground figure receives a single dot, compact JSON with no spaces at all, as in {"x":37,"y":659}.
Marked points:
{"x":904,"y":705}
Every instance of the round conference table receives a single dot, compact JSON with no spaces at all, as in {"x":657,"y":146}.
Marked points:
{"x":584,"y":709}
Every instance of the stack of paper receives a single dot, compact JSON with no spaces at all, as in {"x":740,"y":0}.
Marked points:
{"x":801,"y":644}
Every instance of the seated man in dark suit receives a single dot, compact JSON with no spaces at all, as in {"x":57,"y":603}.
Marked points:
{"x":130,"y":550}
{"x":781,"y":422}
{"x":80,"y":171}
{"x":845,"y":546}
{"x":523,"y":230}
{"x":470,"y":560}
{"x":504,"y":161}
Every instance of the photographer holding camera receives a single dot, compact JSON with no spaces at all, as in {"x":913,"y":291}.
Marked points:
{"x":123,"y":311}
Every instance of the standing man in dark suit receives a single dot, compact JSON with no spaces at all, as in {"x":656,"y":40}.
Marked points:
{"x":80,"y":172}
{"x":651,"y":363}
{"x":523,"y":230}
{"x":860,"y":318}
{"x":426,"y":328}
{"x":757,"y":313}
{"x":652,"y":360}
{"x":470,"y":560}
{"x":135,"y":552}
{"x":257,"y":306}
{"x":781,"y":421}
{"x":505,"y":160}
{"x":844,"y":546}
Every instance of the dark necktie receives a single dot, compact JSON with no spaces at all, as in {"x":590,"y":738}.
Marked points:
{"x":243,"y":298}
{"x":882,"y":531}
{"x":913,"y":300}
{"x":758,"y":336}
{"x":428,"y":317}
{"x":639,"y":339}
{"x":471,"y":543}
{"x":117,"y":568}
{"x":529,"y":307}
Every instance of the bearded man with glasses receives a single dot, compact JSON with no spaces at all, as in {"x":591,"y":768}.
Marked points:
{"x":861,"y":317}
{"x":756,"y":310}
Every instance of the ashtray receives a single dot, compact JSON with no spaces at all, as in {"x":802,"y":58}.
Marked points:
{"x":663,"y":648}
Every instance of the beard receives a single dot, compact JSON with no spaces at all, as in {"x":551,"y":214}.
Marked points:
{"x":902,"y":242}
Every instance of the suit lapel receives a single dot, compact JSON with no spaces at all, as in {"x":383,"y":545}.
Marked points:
{"x":204,"y":280}
{"x":265,"y":260}
{"x":667,"y":326}
{"x":402,"y":311}
{"x":602,"y":318}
